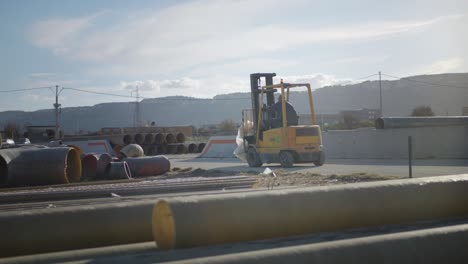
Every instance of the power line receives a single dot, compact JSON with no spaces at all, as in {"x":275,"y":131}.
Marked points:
{"x":26,"y":89}
{"x":424,"y":82}
{"x":101,"y":93}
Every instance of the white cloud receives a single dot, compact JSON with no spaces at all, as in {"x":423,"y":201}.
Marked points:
{"x":210,"y":87}
{"x":196,"y":33}
{"x":316,"y":80}
{"x":444,"y":66}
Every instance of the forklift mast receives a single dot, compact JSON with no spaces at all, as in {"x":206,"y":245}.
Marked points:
{"x":255,"y":86}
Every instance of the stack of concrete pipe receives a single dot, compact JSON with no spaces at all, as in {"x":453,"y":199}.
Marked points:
{"x":183,"y":222}
{"x":157,"y":143}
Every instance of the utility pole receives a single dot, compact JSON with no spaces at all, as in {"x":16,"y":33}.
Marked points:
{"x":380,"y":86}
{"x":137,"y":119}
{"x":56,"y":106}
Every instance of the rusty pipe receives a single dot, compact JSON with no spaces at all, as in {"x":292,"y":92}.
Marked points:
{"x":40,"y":166}
{"x":89,"y":166}
{"x":237,"y":217}
{"x":148,"y":166}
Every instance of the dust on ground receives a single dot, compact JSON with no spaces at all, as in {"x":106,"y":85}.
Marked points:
{"x":281,"y":177}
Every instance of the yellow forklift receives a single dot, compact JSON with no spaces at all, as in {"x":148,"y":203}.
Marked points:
{"x":271,"y":133}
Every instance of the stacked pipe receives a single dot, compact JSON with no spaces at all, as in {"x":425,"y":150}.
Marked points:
{"x":158,"y":143}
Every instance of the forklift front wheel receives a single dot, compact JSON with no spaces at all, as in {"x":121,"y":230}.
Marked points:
{"x":286,"y":159}
{"x":253,"y":159}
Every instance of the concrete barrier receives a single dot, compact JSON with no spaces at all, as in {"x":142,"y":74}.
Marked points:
{"x":369,"y":143}
{"x":219,"y":147}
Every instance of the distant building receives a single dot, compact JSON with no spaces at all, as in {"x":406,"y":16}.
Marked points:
{"x":465,"y":111}
{"x":363,"y":114}
{"x":40,"y":131}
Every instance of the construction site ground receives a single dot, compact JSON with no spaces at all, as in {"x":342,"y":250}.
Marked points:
{"x":386,"y":168}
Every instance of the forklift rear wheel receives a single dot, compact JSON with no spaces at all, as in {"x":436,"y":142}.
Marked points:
{"x":253,"y":159}
{"x":286,"y":159}
{"x":321,"y":159}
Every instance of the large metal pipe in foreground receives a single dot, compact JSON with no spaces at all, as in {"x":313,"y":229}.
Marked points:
{"x":434,"y":245}
{"x":269,"y":214}
{"x":148,"y":166}
{"x":39,"y":166}
{"x":405,"y":122}
{"x":87,"y":226}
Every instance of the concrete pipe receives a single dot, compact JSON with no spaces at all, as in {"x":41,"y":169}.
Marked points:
{"x":40,"y":166}
{"x":127,"y":139}
{"x":200,"y":147}
{"x":434,"y":245}
{"x":75,"y":227}
{"x":170,"y":138}
{"x":181,"y":149}
{"x":138,"y":138}
{"x":162,"y":149}
{"x":172,"y":149}
{"x":152,"y":150}
{"x":132,"y":151}
{"x":180,"y":137}
{"x":192,"y":148}
{"x":216,"y":219}
{"x":159,"y":138}
{"x":145,"y":149}
{"x":117,"y":171}
{"x":148,"y":166}
{"x":149,"y":139}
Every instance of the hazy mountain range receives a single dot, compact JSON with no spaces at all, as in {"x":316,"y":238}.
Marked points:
{"x":447,"y":94}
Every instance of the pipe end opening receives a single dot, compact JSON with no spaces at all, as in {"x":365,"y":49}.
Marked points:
{"x":163,"y":226}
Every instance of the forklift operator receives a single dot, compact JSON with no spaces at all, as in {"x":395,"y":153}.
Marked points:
{"x":276,"y":114}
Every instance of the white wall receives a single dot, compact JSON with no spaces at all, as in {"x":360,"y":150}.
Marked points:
{"x":428,"y":142}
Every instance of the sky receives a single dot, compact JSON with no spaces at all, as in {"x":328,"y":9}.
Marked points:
{"x":203,"y":48}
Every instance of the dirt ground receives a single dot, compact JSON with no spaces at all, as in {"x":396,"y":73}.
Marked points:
{"x":281,"y":177}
